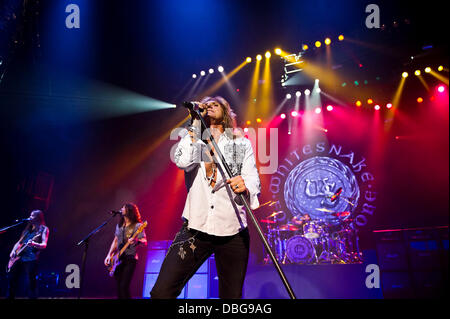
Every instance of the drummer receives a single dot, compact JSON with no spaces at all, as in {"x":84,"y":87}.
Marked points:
{"x":300,"y":220}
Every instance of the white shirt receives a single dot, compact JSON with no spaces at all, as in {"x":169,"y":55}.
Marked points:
{"x":217,"y":211}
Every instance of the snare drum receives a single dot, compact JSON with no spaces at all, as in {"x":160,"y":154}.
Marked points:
{"x":312,"y":230}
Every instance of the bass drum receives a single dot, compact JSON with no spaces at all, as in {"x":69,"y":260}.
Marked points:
{"x":300,"y":250}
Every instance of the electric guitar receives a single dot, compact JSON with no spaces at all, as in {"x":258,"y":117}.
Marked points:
{"x":115,"y":258}
{"x":16,"y":256}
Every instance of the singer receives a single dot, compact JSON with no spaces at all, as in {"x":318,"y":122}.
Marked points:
{"x":214,"y":219}
{"x":129,"y":223}
{"x":25,"y":255}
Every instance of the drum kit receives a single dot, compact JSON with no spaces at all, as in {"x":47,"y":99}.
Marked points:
{"x":303,"y":240}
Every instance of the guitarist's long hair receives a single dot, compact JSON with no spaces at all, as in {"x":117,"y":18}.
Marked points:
{"x":132,"y":212}
{"x":40,"y":217}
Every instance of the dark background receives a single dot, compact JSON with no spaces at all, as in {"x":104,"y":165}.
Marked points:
{"x":53,"y":78}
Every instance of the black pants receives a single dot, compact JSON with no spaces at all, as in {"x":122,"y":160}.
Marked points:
{"x":231,"y":256}
{"x":27,"y":268}
{"x":123,"y":274}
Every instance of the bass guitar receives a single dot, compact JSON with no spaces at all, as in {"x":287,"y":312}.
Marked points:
{"x":19,"y":250}
{"x":115,"y":258}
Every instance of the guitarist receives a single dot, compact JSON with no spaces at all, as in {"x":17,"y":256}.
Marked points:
{"x":129,"y":223}
{"x":36,"y":236}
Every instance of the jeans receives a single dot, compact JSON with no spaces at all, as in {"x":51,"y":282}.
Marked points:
{"x":123,"y":274}
{"x":29,"y":268}
{"x":183,"y":260}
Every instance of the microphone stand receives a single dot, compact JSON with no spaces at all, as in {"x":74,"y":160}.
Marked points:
{"x":85,"y":241}
{"x":247,"y":208}
{"x":2,"y":230}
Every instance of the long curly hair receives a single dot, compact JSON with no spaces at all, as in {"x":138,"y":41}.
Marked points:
{"x":132,"y":212}
{"x":229,"y":117}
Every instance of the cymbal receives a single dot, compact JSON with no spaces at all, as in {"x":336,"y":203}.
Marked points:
{"x":275,"y":214}
{"x":325,"y":210}
{"x":288,"y":227}
{"x":266,"y":203}
{"x":267,"y":221}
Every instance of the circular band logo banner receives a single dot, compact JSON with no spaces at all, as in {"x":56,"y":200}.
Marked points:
{"x":310,"y":186}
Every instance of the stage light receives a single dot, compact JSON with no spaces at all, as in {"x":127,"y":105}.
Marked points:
{"x":369,"y":101}
{"x":288,"y":96}
{"x":341,"y":37}
{"x":318,"y":90}
{"x":356,"y":83}
{"x":417,"y":73}
{"x":202,"y":73}
{"x":358,"y":103}
{"x":317,"y":110}
{"x":289,"y":132}
{"x":268,"y":55}
{"x":248,"y":122}
{"x":305,"y":47}
{"x":327,"y":41}
{"x":245,"y":129}
{"x":318,"y":44}
{"x":194,"y":76}
{"x":298,"y":93}
{"x":440,"y":68}
{"x":259,"y":57}
{"x":325,"y":130}
{"x":419,"y":100}
{"x":220,"y":68}
{"x":389,"y":105}
{"x":294,"y":113}
{"x":377,"y":107}
{"x":258,"y":120}
{"x":211,"y":71}
{"x":278,"y":51}
{"x":307,"y":92}
{"x":441,"y":89}
{"x":427,"y":69}
{"x":248,"y":60}
{"x":316,"y":80}
{"x":330,"y":108}
{"x":405,"y":74}
{"x":283,"y":116}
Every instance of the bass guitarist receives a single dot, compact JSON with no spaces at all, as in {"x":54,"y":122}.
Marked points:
{"x":25,"y":255}
{"x":129,"y":223}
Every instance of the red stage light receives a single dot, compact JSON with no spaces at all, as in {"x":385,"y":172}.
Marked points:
{"x":294,"y":113}
{"x":419,"y":100}
{"x":283,"y":116}
{"x":441,"y":89}
{"x":329,"y":107}
{"x":389,"y":105}
{"x":377,"y":107}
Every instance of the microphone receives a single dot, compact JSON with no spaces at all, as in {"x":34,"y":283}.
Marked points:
{"x":336,"y":195}
{"x":23,"y":220}
{"x":115,"y":212}
{"x":193,"y":106}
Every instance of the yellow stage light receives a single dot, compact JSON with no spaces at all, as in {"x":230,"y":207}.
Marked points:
{"x":440,"y":68}
{"x":405,"y":74}
{"x":341,"y":37}
{"x":258,"y":120}
{"x":259,"y":57}
{"x":268,"y":55}
{"x":358,"y":103}
{"x":417,"y":72}
{"x":427,"y":69}
{"x":248,"y":60}
{"x":305,"y":47}
{"x":327,"y":41}
{"x":248,"y":122}
{"x":278,"y":51}
{"x":369,"y":101}
{"x":318,"y":44}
